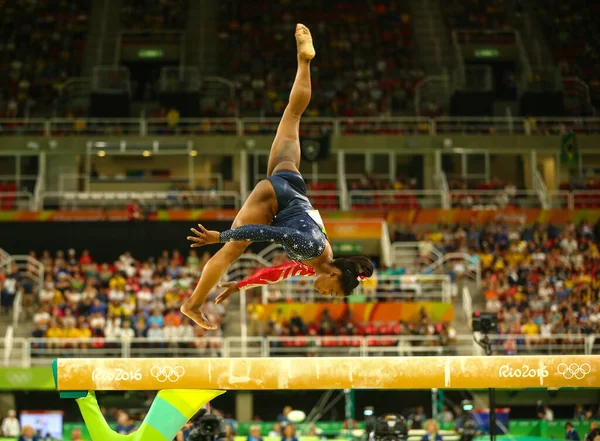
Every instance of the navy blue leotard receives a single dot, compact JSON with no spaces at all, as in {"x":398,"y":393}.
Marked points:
{"x":297,"y":225}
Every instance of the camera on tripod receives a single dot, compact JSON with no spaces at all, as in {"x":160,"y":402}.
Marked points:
{"x":390,"y":427}
{"x":207,"y":427}
{"x":484,"y":322}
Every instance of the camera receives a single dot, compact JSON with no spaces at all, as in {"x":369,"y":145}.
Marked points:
{"x":484,"y":322}
{"x":390,"y":427}
{"x":469,"y":428}
{"x":207,"y":428}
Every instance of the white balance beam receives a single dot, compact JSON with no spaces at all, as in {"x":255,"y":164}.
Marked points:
{"x":500,"y":372}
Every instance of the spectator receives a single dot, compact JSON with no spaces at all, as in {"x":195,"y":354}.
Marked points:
{"x":275,"y":432}
{"x":125,"y":425}
{"x":447,"y":415}
{"x":10,"y":425}
{"x":433,"y":432}
{"x":28,"y":434}
{"x":579,"y":414}
{"x":419,"y":418}
{"x":155,"y":333}
{"x":76,"y":435}
{"x":570,"y":433}
{"x":289,"y":433}
{"x":546,"y":414}
{"x":254,"y":434}
{"x":283,"y":416}
{"x":593,"y":429}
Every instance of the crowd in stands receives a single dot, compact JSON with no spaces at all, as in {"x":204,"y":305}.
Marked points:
{"x":153,"y":15}
{"x":42,"y":45}
{"x":477,"y":194}
{"x":574,"y":36}
{"x":365,"y":65}
{"x":476,"y":14}
{"x":126,"y":299}
{"x":542,"y":280}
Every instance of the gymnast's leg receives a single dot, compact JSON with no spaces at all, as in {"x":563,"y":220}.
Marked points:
{"x":285,"y":151}
{"x":261,"y":205}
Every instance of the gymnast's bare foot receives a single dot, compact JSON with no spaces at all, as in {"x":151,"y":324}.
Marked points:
{"x":306,"y":50}
{"x":198,"y":316}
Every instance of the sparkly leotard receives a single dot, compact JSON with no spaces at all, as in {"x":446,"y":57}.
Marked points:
{"x":297,"y":226}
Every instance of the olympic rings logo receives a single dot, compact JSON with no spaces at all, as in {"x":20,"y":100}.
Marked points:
{"x":167,"y":373}
{"x":573,"y":370}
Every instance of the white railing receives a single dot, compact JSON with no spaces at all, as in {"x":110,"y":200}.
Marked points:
{"x":462,"y":264}
{"x":422,"y":287}
{"x":29,"y":268}
{"x":309,"y":127}
{"x":162,"y":199}
{"x":467,"y":301}
{"x":29,"y":352}
{"x":540,"y":186}
{"x":495,"y":199}
{"x":8,"y":345}
{"x":16,"y":200}
{"x":17,"y":307}
{"x":396,"y":200}
{"x":415,"y":256}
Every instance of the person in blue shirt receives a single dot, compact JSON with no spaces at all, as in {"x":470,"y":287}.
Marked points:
{"x":433,"y":432}
{"x":282,"y":417}
{"x":289,"y":433}
{"x":255,"y":434}
{"x":124,"y":424}
{"x":571,"y":433}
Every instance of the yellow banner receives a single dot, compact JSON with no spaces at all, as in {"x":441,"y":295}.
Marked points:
{"x":502,"y":372}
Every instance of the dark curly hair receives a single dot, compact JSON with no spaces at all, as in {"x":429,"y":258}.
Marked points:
{"x":352,"y":268}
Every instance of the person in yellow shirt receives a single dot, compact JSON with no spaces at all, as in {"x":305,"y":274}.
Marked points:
{"x":117,"y":282}
{"x":531,"y":330}
{"x":486,"y":259}
{"x":54,"y":332}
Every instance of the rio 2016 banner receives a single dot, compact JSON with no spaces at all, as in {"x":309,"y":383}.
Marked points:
{"x":362,"y":312}
{"x":318,"y":373}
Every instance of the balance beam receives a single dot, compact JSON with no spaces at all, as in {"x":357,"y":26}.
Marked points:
{"x":501,"y":372}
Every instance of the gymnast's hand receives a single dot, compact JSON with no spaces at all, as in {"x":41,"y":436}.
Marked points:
{"x":230,"y":288}
{"x":203,"y":237}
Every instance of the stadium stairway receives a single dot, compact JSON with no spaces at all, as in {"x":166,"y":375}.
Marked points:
{"x":201,"y":36}
{"x":435,"y":51}
{"x":101,"y":41}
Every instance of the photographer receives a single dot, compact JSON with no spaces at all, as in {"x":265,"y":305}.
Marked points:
{"x":207,"y":427}
{"x":389,"y":427}
{"x":466,"y":425}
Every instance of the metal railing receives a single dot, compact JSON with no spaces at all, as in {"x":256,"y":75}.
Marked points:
{"x":415,"y":256}
{"x":381,"y":287}
{"x":309,"y":127}
{"x":155,"y":200}
{"x":392,"y":199}
{"x":16,"y":200}
{"x":496,"y":199}
{"x":461,"y":264}
{"x":34,"y":351}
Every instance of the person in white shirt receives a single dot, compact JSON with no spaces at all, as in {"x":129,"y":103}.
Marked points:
{"x":42,"y":317}
{"x":171,"y":333}
{"x":186,"y":331}
{"x":493,"y":305}
{"x":116,"y":295}
{"x":126,"y":331}
{"x":146,"y":273}
{"x":144,"y":295}
{"x":155,"y":333}
{"x":10,"y":425}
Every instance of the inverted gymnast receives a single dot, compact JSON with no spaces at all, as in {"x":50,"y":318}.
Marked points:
{"x":279,"y":211}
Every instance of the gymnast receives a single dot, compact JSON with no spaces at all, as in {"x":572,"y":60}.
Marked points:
{"x":278,"y":211}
